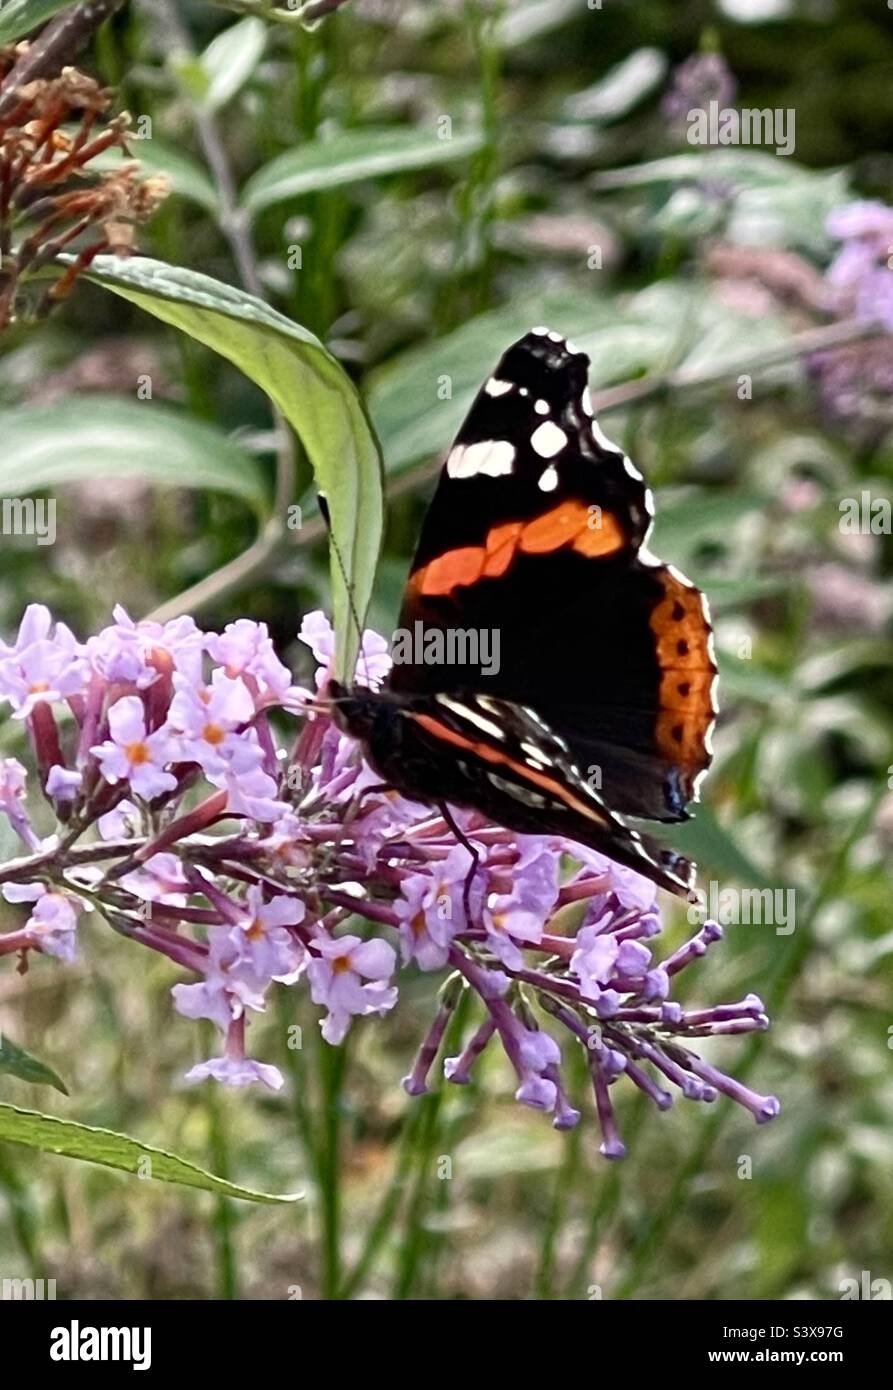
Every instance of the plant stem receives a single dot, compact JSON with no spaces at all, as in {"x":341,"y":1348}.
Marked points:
{"x":387,"y":1209}
{"x":55,"y":47}
{"x":224,"y":1216}
{"x":332,"y":1063}
{"x":235,"y":226}
{"x":429,"y":1130}
{"x":565,"y":1179}
{"x":299,"y":1086}
{"x":803,"y":344}
{"x":609,"y":1194}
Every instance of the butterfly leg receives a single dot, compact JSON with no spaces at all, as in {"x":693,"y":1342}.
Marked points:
{"x":475,"y":856}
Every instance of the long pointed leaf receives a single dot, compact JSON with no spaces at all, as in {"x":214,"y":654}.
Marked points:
{"x":107,"y":436}
{"x":349,"y":157}
{"x":104,"y":1146}
{"x":308,"y":385}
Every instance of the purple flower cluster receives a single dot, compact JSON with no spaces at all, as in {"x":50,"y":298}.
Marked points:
{"x":855,"y":380}
{"x":182,"y":819}
{"x":702,"y":78}
{"x":861,"y":275}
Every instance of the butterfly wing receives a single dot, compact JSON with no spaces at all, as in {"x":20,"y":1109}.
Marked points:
{"x":534,"y":546}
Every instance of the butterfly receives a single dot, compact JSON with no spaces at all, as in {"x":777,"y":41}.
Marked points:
{"x":553,"y":674}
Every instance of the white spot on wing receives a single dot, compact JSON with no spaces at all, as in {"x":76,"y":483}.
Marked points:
{"x":541,"y":407}
{"x":586,"y":401}
{"x":491,"y":456}
{"x":548,"y":439}
{"x":548,"y":480}
{"x":496,"y":387}
{"x":471,"y":716}
{"x":540,"y":332}
{"x":555,"y":337}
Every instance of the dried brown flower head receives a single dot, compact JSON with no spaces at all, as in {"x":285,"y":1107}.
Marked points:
{"x":51,"y":199}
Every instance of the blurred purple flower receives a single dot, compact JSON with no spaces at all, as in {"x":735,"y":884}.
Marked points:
{"x":702,"y":78}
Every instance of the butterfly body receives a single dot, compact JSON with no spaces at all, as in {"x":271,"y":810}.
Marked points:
{"x":575,"y":682}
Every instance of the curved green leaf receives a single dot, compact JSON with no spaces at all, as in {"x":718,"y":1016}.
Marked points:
{"x":308,"y":386}
{"x":349,"y":157}
{"x":104,"y":1146}
{"x":19,"y":17}
{"x":741,"y":168}
{"x":230,"y":59}
{"x":106,"y":436}
{"x":17,"y":1062}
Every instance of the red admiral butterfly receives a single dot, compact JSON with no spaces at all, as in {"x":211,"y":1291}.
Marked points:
{"x":601,"y":704}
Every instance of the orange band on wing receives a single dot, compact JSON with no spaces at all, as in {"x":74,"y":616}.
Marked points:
{"x":587,"y":530}
{"x":687,"y":671}
{"x":493,"y":755}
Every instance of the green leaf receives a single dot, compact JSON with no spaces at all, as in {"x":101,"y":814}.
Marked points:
{"x":684,"y":522}
{"x":19,"y":17}
{"x":742,"y":168}
{"x":310,"y":388}
{"x":106,"y":436}
{"x":349,"y":157}
{"x":104,"y":1146}
{"x":533,"y":19}
{"x":775,"y":202}
{"x":620,"y":89}
{"x":230,"y":59}
{"x":714,"y":851}
{"x":17,"y":1062}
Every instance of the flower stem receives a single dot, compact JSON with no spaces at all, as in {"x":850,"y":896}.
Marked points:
{"x":565,"y":1179}
{"x":332,"y":1063}
{"x":416,"y":1237}
{"x":224,"y":1215}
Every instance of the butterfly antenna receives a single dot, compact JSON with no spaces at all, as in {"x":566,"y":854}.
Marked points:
{"x":336,"y":550}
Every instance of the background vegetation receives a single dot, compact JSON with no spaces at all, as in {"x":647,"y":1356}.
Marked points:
{"x":310,"y":168}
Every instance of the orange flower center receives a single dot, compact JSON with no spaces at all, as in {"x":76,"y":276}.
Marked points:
{"x":137,"y":753}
